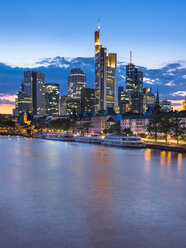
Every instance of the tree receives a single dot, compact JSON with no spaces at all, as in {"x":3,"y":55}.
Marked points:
{"x":73,"y":125}
{"x":177,"y":128}
{"x":165,"y":127}
{"x":115,"y":128}
{"x":87,"y":126}
{"x":127,"y":132}
{"x":106,"y":130}
{"x":60,"y":124}
{"x":81,"y":128}
{"x":153,"y":126}
{"x":6,"y":122}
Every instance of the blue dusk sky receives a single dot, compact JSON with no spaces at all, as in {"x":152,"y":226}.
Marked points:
{"x":33,"y":30}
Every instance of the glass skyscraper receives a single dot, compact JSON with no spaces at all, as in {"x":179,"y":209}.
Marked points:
{"x":52,"y":99}
{"x":105,"y":76}
{"x":31,"y":97}
{"x":76,"y":81}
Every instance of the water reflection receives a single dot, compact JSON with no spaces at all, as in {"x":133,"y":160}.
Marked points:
{"x":147,"y":159}
{"x":80,"y":195}
{"x":163,"y":158}
{"x":180,"y":156}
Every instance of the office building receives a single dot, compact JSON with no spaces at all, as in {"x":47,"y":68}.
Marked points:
{"x":149,"y":99}
{"x":23,"y":103}
{"x":76,"y":81}
{"x":31,"y":97}
{"x":34,"y":85}
{"x":87,"y":100}
{"x":52,"y":99}
{"x":134,"y":88}
{"x":73,"y":106}
{"x":63,"y":104}
{"x":165,"y":105}
{"x":105,"y":76}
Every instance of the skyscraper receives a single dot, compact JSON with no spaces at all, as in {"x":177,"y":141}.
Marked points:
{"x":165,"y":105}
{"x":63,"y":104}
{"x":31,"y":97}
{"x":120,"y":90}
{"x":38,"y":93}
{"x":134,"y":87}
{"x":23,"y":103}
{"x":76,"y":81}
{"x":52,"y":99}
{"x":87,"y":100}
{"x":149,"y":99}
{"x":105,"y":76}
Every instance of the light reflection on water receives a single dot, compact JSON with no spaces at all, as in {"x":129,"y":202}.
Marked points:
{"x":60,"y":194}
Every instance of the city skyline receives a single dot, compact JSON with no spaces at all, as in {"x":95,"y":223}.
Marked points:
{"x":109,"y":37}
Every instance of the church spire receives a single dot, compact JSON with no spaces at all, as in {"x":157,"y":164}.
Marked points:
{"x":157,"y":97}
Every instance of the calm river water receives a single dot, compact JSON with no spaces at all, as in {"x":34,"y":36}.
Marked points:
{"x":59,"y":194}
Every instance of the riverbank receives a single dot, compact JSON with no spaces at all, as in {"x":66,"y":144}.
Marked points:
{"x":158,"y":146}
{"x":166,"y":147}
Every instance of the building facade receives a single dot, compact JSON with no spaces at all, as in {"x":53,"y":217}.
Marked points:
{"x":52,"y":99}
{"x":76,"y":81}
{"x":87,"y":100}
{"x":105,"y":76}
{"x":165,"y":105}
{"x":31,"y":97}
{"x":63,"y":104}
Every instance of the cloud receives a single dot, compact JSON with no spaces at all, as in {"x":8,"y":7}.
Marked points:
{"x":179,"y":93}
{"x":171,"y":83}
{"x":7,"y":98}
{"x":148,"y":80}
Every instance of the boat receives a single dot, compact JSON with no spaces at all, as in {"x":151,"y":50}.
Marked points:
{"x":123,"y":141}
{"x":67,"y":137}
{"x":89,"y":139}
{"x":38,"y":135}
{"x":59,"y":136}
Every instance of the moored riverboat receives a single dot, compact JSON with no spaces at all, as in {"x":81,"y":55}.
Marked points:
{"x":89,"y":139}
{"x":59,"y":136}
{"x":123,"y":141}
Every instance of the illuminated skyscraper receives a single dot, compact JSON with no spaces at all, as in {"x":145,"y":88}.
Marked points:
{"x":165,"y":105}
{"x":87,"y":100}
{"x":76,"y":81}
{"x":105,"y":76}
{"x":63,"y":104}
{"x":31,"y":97}
{"x":23,"y":103}
{"x":52,"y":99}
{"x":134,"y":87}
{"x":38,"y":93}
{"x":149,"y":99}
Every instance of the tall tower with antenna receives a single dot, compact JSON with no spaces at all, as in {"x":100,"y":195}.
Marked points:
{"x":105,"y":76}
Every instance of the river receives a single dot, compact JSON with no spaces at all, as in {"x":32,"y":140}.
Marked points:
{"x":60,"y":194}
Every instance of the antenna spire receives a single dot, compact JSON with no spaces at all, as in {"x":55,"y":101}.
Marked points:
{"x":130,"y":57}
{"x":99,"y":24}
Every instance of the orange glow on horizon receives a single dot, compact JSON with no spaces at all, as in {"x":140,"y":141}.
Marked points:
{"x":6,"y":108}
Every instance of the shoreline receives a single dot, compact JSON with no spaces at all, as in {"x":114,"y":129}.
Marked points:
{"x":161,"y":147}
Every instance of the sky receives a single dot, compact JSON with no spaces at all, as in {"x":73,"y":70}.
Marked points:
{"x":36,"y":29}
{"x":33,"y":30}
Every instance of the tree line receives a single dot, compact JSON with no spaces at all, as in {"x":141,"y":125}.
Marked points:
{"x":158,"y":124}
{"x":67,"y":125}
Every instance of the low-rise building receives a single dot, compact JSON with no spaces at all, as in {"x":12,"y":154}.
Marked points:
{"x":137,"y":123}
